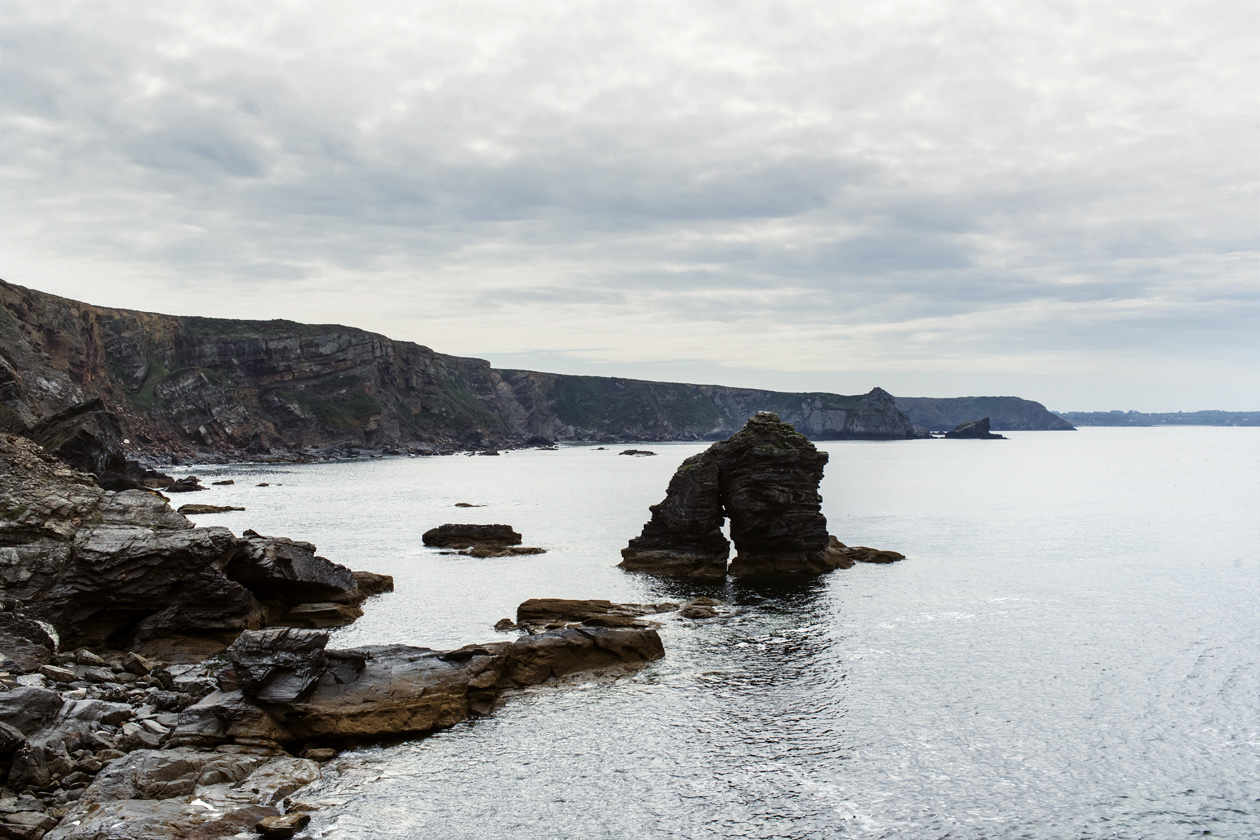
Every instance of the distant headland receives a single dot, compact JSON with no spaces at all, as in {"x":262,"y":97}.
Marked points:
{"x":236,"y":388}
{"x":1163,"y":418}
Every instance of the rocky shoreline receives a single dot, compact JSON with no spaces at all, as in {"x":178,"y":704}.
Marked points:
{"x":160,"y":680}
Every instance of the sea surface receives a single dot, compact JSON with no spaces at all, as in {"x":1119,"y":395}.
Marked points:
{"x":1071,"y":649}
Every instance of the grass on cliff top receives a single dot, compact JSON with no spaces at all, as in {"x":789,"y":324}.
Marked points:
{"x":602,"y":403}
{"x":198,"y":327}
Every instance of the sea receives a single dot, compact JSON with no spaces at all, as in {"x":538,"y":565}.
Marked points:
{"x":1071,"y":648}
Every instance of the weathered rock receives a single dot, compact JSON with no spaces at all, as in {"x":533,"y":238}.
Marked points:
{"x":278,"y":665}
{"x":501,"y":551}
{"x":385,"y":690}
{"x":25,"y":825}
{"x":124,"y":568}
{"x":288,"y":571}
{"x":974,"y":430}
{"x":368,"y":584}
{"x":469,"y":536}
{"x":684,"y":536}
{"x":184,"y":794}
{"x":321,"y":615}
{"x":194,"y":510}
{"x":187,"y":484}
{"x":225,"y":482}
{"x":29,"y":709}
{"x":28,"y":642}
{"x":636,"y":452}
{"x":863,"y":554}
{"x":699,"y":608}
{"x":765,"y":478}
{"x":283,"y":828}
{"x":540,"y":614}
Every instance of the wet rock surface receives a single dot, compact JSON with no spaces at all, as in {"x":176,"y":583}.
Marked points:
{"x":765,"y":478}
{"x":290,"y":690}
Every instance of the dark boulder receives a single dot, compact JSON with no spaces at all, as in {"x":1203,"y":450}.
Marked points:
{"x":468,"y":536}
{"x":277,"y":665}
{"x":289,"y":571}
{"x":974,"y":430}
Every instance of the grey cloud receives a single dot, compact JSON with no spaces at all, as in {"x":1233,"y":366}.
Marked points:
{"x":721,"y":162}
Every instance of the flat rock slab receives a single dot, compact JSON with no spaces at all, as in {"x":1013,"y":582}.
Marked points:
{"x":467,"y":536}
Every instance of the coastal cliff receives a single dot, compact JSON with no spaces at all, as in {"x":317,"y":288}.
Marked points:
{"x":196,"y":385}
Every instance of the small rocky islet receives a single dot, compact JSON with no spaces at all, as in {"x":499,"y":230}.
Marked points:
{"x":162,"y":680}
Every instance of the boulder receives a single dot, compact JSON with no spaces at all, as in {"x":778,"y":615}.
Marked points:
{"x":277,"y":665}
{"x":973,"y":430}
{"x":765,"y":479}
{"x":288,"y":571}
{"x":468,"y":536}
{"x":29,"y":709}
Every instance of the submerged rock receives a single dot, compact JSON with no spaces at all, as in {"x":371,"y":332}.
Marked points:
{"x":194,"y":510}
{"x":765,"y":478}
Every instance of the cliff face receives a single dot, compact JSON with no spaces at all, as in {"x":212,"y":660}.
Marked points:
{"x":1005,"y":413}
{"x":187,"y":383}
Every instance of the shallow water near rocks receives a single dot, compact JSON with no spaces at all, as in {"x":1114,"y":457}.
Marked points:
{"x":1071,"y":649}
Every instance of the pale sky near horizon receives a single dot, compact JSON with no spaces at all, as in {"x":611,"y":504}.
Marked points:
{"x":1057,"y":200}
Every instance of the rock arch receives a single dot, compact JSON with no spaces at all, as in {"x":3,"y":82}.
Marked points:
{"x":765,"y":479}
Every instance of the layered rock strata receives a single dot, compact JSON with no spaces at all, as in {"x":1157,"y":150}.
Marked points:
{"x":765,"y":479}
{"x":283,"y":687}
{"x":118,"y":568}
{"x":199,"y":387}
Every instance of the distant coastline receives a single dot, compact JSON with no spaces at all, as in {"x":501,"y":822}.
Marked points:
{"x":1164,"y":418}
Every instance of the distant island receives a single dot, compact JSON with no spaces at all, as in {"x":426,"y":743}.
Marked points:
{"x":1164,"y":418}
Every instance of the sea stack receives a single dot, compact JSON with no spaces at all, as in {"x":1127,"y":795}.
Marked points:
{"x":765,"y":478}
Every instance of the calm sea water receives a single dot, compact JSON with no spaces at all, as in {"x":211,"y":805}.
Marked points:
{"x":1072,"y":649}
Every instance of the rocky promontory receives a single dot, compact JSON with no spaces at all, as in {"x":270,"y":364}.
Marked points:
{"x":124,"y":569}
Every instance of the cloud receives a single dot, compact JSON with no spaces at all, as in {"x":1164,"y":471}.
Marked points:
{"x":743,"y":186}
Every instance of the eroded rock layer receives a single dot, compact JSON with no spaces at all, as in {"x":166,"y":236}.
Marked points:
{"x":765,"y":479}
{"x":117,"y":568}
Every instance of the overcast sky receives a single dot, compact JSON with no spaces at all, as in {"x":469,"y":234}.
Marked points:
{"x":1057,"y":200}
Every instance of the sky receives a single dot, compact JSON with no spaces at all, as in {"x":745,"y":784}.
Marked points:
{"x":1055,"y":200}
